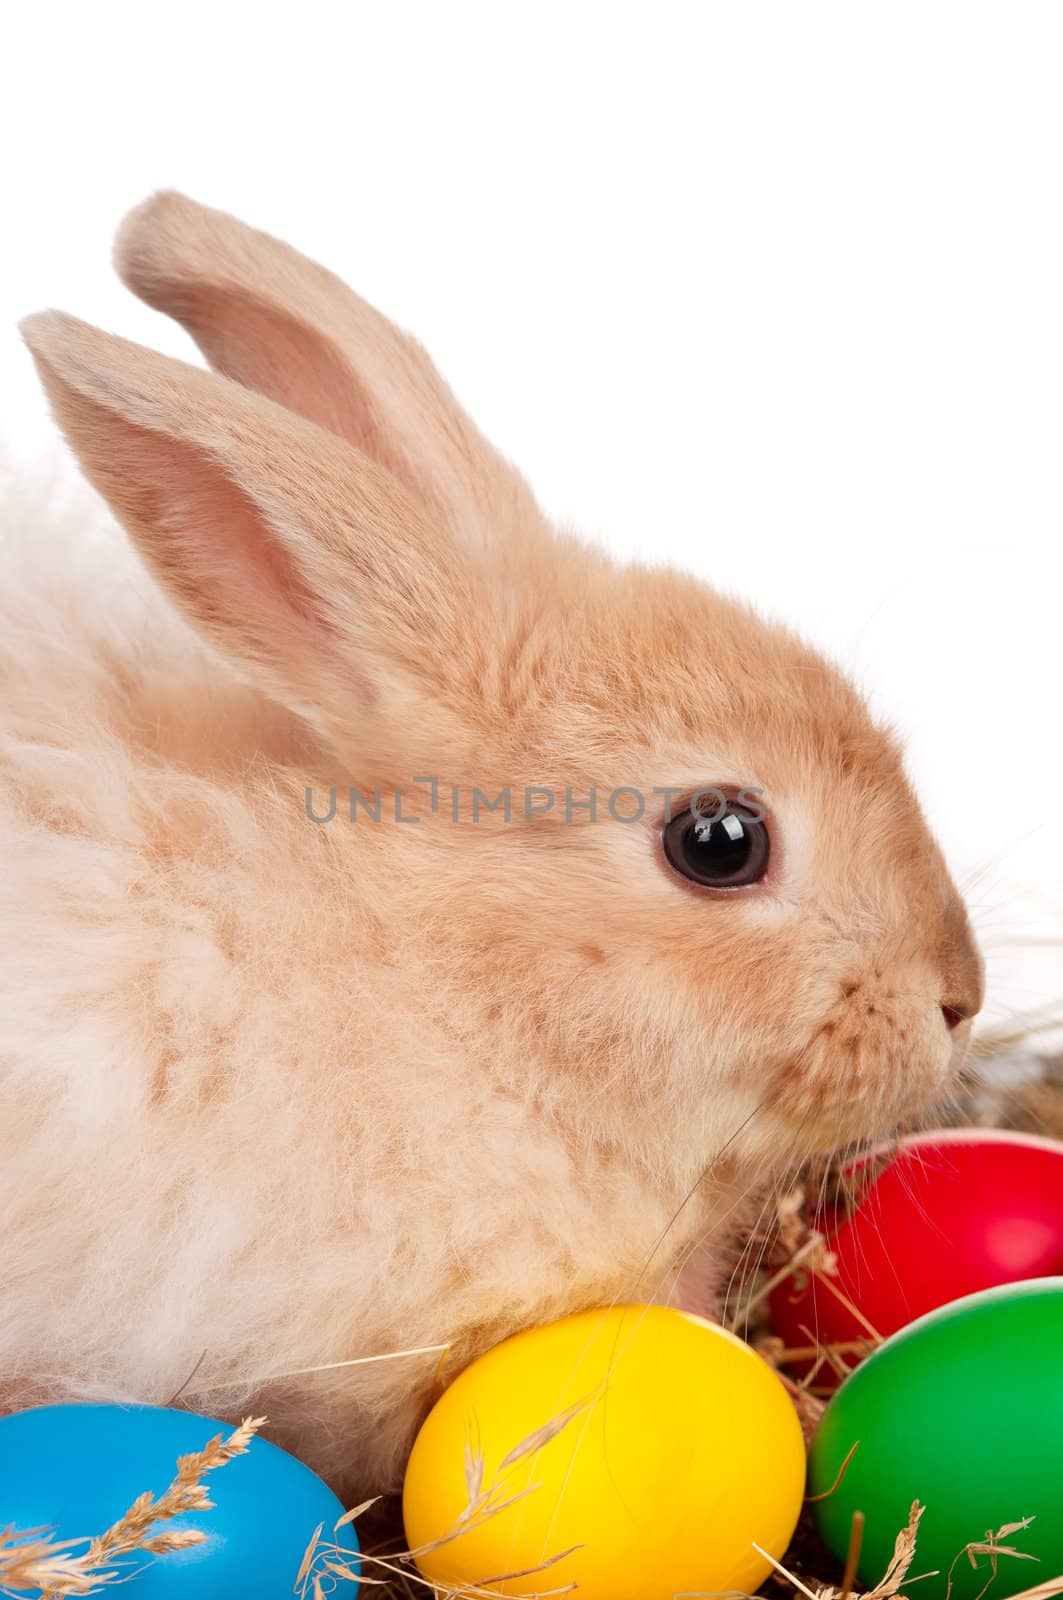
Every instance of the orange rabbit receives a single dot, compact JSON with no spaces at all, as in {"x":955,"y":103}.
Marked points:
{"x":278,"y":1092}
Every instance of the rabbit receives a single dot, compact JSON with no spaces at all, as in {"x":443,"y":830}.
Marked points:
{"x":300,"y":1113}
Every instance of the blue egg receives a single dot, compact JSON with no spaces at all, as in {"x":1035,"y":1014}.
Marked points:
{"x":75,"y":1469}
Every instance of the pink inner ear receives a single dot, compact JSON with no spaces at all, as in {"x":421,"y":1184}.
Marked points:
{"x":216,"y":546}
{"x":272,"y":351}
{"x":206,"y":540}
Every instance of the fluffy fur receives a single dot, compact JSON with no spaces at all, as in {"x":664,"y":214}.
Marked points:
{"x":275,"y":1094}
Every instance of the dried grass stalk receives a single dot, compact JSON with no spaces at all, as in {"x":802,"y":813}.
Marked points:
{"x":28,"y":1561}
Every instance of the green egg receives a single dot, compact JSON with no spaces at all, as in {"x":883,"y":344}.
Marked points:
{"x":963,"y":1411}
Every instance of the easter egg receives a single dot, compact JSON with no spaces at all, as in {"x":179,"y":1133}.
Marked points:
{"x":636,"y":1452}
{"x":75,"y":1469}
{"x":956,"y":1211}
{"x":963,"y":1411}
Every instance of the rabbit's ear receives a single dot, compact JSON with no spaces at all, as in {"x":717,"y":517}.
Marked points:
{"x":307,"y":564}
{"x":276,"y":322}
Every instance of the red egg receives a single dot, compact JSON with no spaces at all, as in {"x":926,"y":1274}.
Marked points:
{"x":956,"y":1211}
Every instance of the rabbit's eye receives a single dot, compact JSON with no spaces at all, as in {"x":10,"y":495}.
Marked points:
{"x":726,"y":847}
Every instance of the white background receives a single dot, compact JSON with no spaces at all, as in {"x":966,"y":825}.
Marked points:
{"x":770,"y":290}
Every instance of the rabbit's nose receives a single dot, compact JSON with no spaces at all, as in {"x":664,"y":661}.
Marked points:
{"x":963,"y":980}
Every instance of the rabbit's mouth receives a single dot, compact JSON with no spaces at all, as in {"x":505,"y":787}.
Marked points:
{"x":862,"y":1086}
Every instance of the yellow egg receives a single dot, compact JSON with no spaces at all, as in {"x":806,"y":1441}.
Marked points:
{"x":680,"y":1450}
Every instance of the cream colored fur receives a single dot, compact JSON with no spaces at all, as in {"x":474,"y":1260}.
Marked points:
{"x":275,"y":1094}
